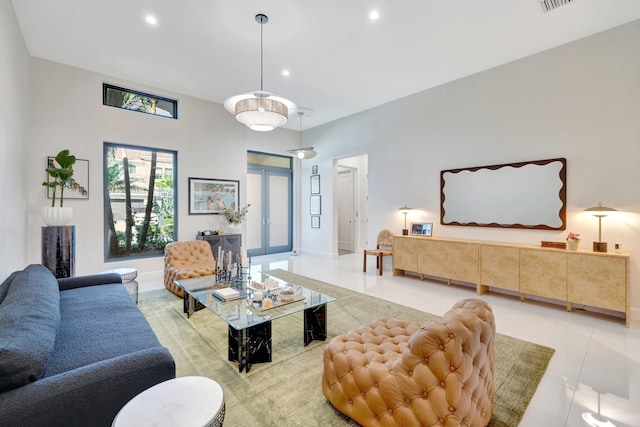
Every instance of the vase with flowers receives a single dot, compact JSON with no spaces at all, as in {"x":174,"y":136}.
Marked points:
{"x":573,"y":241}
{"x":235,"y":216}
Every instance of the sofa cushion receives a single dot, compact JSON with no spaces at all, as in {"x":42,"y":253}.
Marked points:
{"x":98,"y":323}
{"x":30,"y":316}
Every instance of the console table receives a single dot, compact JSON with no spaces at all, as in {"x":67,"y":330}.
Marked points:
{"x":580,"y":277}
{"x":228,"y":242}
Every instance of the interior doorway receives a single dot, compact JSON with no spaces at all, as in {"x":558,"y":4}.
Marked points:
{"x":351,"y":203}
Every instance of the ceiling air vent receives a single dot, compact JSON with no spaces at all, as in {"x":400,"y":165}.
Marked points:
{"x":549,"y":5}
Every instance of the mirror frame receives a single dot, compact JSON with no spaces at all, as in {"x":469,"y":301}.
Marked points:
{"x":562,"y":195}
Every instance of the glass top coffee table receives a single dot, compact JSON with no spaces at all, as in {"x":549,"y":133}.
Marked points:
{"x":249,"y":323}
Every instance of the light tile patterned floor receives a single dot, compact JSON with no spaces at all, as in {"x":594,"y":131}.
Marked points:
{"x":596,"y":356}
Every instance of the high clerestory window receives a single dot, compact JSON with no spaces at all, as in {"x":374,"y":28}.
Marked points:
{"x":134,"y":100}
{"x":140,"y":204}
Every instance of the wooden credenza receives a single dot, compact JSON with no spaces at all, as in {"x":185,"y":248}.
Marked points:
{"x":581,"y":277}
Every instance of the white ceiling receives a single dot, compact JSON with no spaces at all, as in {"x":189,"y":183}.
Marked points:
{"x":340,"y":61}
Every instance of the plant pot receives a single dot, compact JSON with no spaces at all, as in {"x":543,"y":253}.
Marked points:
{"x":573,"y":244}
{"x":56,"y":216}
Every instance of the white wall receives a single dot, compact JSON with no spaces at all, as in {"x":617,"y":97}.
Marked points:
{"x":67,"y":112}
{"x":14,"y":90}
{"x":580,"y":101}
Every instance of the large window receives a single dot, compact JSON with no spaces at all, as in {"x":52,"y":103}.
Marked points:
{"x":140,"y":200}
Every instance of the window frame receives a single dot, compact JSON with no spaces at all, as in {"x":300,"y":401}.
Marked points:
{"x":173,"y":102}
{"x":107,"y":146}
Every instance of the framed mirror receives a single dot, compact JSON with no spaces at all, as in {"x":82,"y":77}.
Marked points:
{"x":529,"y":195}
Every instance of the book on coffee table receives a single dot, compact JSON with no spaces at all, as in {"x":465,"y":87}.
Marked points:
{"x":227,"y":294}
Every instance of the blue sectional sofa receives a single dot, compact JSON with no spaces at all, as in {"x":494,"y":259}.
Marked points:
{"x":73,"y":351}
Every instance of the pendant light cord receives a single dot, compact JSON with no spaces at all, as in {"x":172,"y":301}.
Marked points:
{"x":261,"y":55}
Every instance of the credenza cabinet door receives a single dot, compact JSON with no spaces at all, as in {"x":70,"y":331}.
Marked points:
{"x":598,"y":281}
{"x":500,"y":267}
{"x":543,"y":273}
{"x":451,"y":260}
{"x":405,"y":255}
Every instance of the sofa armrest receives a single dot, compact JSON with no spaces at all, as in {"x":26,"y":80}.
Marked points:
{"x":89,"y":280}
{"x":89,"y":396}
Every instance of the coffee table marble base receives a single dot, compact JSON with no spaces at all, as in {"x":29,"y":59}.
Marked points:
{"x":190,"y":305}
{"x":315,"y":324}
{"x":249,"y":346}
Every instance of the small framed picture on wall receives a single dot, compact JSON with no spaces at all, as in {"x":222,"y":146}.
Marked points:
{"x":315,"y":222}
{"x":315,"y":184}
{"x":314,"y":169}
{"x":315,"y":207}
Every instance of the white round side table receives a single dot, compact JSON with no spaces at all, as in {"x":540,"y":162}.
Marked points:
{"x":128,"y":276}
{"x":184,"y":402}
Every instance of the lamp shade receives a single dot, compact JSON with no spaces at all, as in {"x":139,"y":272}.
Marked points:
{"x":260,"y":110}
{"x":600,"y":210}
{"x":405,"y":209}
{"x":303,"y":152}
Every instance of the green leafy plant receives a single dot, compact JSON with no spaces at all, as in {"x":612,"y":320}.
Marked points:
{"x":60,"y":174}
{"x":235,"y":216}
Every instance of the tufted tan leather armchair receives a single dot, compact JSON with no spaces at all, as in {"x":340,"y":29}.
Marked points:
{"x":184,"y":260}
{"x":392,"y":373}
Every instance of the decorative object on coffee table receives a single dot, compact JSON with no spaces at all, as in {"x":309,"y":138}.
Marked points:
{"x":599,"y":212}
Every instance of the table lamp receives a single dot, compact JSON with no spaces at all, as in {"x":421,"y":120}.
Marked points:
{"x":405,"y":210}
{"x":600,"y":211}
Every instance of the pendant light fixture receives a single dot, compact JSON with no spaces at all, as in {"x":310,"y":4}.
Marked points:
{"x":260,"y":110}
{"x":306,"y":152}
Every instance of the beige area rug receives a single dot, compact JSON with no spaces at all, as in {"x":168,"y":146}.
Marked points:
{"x":288,"y":390}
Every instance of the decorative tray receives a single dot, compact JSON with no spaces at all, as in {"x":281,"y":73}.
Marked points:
{"x":279,"y":303}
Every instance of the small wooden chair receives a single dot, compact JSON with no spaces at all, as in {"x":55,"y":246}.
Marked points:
{"x":385,"y":239}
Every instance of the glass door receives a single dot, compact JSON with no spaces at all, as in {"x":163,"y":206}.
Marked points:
{"x":269,"y":192}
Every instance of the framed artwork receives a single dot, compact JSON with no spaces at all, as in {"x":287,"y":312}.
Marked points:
{"x":315,"y":222}
{"x":315,"y":184}
{"x":212,"y":196}
{"x":315,"y":206}
{"x":423,"y":229}
{"x":78,"y":186}
{"x":314,"y":169}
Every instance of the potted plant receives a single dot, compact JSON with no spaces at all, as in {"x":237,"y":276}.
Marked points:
{"x":235,"y":217}
{"x":60,"y":171}
{"x":573,"y":241}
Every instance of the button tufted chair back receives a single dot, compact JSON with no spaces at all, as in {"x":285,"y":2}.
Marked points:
{"x":390,"y":372}
{"x":184,"y":260}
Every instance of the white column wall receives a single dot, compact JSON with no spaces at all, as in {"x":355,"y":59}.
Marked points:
{"x":14,"y":90}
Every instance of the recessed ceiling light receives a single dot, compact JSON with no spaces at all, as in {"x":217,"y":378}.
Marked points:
{"x":285,"y":73}
{"x":151,"y":20}
{"x":374,"y":15}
